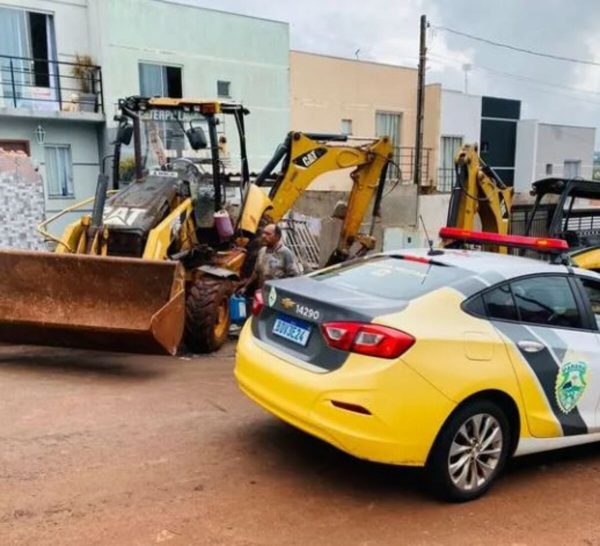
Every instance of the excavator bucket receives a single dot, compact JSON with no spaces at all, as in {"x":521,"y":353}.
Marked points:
{"x":106,"y":303}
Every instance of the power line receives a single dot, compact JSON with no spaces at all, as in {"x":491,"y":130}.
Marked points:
{"x":516,"y":76}
{"x":515,"y":48}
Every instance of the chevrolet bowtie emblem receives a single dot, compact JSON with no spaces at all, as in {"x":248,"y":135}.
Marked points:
{"x":288,"y":303}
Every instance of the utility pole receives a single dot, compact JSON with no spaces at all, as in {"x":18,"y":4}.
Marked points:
{"x":420,"y":104}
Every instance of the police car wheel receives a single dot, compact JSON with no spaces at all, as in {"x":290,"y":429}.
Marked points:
{"x":470,"y":452}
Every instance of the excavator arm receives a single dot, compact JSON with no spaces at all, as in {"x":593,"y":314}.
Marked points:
{"x":305,"y":157}
{"x":478,"y":193}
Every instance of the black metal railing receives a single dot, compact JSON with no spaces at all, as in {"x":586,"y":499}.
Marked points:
{"x":402,"y":167}
{"x":44,"y":84}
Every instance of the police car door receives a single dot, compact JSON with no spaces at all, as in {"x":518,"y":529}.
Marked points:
{"x":590,"y":288}
{"x":560,"y":343}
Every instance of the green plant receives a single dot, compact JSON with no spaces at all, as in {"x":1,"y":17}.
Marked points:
{"x":85,"y":71}
{"x":127,"y":169}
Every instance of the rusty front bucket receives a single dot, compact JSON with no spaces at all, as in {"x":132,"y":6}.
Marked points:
{"x":106,"y":303}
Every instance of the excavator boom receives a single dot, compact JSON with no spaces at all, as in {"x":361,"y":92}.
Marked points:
{"x":307,"y":156}
{"x":478,"y":195}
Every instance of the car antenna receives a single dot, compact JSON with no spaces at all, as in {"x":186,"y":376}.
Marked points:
{"x":432,"y":251}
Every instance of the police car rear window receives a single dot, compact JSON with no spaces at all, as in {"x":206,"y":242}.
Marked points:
{"x":393,"y":277}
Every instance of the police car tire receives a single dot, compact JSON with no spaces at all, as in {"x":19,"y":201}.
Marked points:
{"x":438,"y":474}
{"x":201,"y":310}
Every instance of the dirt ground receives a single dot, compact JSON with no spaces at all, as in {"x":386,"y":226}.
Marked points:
{"x":112,"y":449}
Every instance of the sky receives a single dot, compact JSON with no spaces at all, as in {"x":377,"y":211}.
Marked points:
{"x":551,"y":91}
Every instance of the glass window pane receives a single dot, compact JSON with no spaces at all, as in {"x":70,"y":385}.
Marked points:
{"x":388,"y":124}
{"x":223,"y":89}
{"x":476,"y":307}
{"x":500,"y":304}
{"x":592,"y":289}
{"x":152,"y":80}
{"x":59,"y":171}
{"x":546,"y":300}
{"x":346,"y":126}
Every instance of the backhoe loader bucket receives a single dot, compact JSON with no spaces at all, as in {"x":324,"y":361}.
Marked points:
{"x":106,"y":303}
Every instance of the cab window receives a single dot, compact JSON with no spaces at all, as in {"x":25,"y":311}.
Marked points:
{"x":499,"y":303}
{"x":592,"y":290}
{"x":546,"y":300}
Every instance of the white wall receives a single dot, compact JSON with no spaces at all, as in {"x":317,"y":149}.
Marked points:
{"x":461,"y":116}
{"x":251,"y":53}
{"x":542,"y":144}
{"x":525,"y":154}
{"x":434,"y":210}
{"x":560,"y":143}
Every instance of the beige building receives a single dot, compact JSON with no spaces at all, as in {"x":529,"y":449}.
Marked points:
{"x":364,"y":99}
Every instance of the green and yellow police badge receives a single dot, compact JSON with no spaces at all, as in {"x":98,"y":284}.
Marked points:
{"x":571,"y":383}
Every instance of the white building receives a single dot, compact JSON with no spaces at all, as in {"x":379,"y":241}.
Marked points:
{"x":545,"y":150}
{"x":135,"y":47}
{"x":460,"y":123}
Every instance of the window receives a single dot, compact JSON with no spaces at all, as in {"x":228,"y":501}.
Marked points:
{"x":160,"y":81}
{"x":224,"y":89}
{"x":592,"y":289}
{"x":547,"y":300}
{"x":572,"y":169}
{"x":499,"y":303}
{"x":388,"y":124}
{"x":346,"y":126}
{"x":25,"y":35}
{"x":59,"y":170}
{"x":548,"y":168}
{"x":450,"y":146}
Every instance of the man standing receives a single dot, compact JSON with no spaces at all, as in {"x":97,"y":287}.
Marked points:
{"x":274,"y":260}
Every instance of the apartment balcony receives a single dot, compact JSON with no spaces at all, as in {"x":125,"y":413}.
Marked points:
{"x":47,"y":89}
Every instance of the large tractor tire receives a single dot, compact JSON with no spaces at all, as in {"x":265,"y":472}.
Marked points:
{"x":207,"y":314}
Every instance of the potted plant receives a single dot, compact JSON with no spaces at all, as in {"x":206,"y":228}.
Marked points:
{"x":85,"y":71}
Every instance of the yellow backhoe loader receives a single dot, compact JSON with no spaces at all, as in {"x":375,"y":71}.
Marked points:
{"x":564,"y":208}
{"x":158,"y":259}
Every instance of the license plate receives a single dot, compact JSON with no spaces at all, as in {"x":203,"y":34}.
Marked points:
{"x":292,"y":331}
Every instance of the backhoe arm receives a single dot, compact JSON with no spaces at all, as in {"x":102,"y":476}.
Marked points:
{"x":306,"y":157}
{"x":478,"y":191}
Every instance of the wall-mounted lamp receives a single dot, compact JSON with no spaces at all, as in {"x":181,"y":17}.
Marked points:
{"x":40,"y":134}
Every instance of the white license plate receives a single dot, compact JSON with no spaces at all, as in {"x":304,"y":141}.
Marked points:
{"x":292,"y":331}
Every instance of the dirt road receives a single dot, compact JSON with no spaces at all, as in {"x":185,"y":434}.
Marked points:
{"x":112,"y":449}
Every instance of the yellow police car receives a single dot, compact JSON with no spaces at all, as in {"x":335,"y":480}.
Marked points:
{"x":453,"y":361}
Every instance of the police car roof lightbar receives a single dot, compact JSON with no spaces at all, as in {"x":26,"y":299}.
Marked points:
{"x":541,"y":244}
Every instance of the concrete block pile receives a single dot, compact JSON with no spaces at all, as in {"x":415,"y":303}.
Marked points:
{"x":21,"y":202}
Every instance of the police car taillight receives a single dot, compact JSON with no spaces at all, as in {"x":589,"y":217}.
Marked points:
{"x":541,"y":244}
{"x":367,"y":339}
{"x":258,"y":302}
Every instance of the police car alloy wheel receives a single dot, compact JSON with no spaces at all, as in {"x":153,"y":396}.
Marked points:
{"x":470,"y":452}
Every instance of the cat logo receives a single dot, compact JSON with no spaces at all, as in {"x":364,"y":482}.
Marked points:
{"x":309,"y":158}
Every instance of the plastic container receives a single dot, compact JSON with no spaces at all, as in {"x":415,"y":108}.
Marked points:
{"x":238,"y":308}
{"x":223,"y":225}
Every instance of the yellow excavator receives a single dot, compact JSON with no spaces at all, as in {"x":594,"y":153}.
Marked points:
{"x":563,"y":208}
{"x":479,"y":196}
{"x":157,"y":260}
